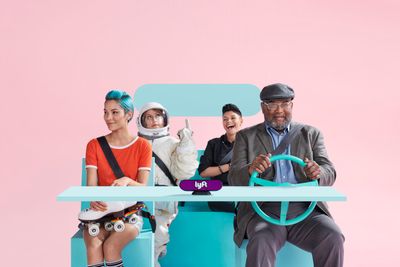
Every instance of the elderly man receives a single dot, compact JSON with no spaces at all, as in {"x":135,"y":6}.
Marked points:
{"x":318,"y":233}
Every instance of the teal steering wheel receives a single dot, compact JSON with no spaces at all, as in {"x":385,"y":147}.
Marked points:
{"x":254,"y":180}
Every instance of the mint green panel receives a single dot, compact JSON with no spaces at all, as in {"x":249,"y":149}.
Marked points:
{"x":199,"y":99}
{"x":200,"y":238}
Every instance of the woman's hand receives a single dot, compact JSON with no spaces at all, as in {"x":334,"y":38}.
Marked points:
{"x":98,"y":206}
{"x":123,"y":181}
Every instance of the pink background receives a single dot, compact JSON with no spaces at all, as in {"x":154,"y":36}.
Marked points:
{"x":59,"y":58}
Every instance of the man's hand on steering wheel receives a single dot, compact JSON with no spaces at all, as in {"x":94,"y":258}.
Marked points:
{"x":260,"y":164}
{"x":312,"y":169}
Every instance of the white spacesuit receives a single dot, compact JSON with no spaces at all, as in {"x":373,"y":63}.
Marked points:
{"x":179,"y":156}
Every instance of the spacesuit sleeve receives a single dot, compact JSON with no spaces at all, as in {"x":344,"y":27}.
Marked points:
{"x":184,"y":157}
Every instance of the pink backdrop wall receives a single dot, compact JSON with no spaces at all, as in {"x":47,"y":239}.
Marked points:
{"x":59,"y":58}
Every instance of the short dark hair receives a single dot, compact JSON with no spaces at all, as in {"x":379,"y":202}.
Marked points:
{"x":231,"y":107}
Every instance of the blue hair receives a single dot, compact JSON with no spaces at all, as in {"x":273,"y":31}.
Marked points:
{"x":124,"y":100}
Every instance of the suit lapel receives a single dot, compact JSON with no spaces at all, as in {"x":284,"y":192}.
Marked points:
{"x":264,"y":138}
{"x":294,"y":146}
{"x":266,"y":142}
{"x":295,"y":151}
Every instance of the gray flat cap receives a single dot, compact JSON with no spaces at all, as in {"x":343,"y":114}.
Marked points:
{"x":276,"y":91}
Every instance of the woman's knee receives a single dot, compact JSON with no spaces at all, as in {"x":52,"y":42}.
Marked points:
{"x":117,"y":241}
{"x":131,"y":232}
{"x":92,"y":243}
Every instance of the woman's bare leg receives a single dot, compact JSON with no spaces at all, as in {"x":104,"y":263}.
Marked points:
{"x":113,"y":245}
{"x":94,"y":246}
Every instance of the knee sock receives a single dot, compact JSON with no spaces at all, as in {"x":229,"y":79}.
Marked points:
{"x":100,"y":264}
{"x":117,"y":263}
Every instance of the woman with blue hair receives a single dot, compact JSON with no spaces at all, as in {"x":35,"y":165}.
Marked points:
{"x":133,"y":155}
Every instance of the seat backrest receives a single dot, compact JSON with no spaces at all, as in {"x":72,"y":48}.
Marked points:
{"x":84,"y":204}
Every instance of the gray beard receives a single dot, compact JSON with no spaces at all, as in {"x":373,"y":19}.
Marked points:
{"x":278,"y":127}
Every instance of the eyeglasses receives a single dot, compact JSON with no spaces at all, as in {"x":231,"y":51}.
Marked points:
{"x":156,"y":117}
{"x":272,"y":106}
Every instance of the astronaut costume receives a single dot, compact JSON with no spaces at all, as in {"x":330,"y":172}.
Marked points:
{"x":180,"y":157}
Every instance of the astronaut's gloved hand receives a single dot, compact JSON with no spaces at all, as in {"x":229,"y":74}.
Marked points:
{"x":186,"y":145}
{"x":185,"y":134}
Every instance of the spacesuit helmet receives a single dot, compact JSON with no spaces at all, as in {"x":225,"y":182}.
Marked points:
{"x":152,"y":133}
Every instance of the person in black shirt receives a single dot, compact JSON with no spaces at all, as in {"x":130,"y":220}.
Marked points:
{"x":215,"y":163}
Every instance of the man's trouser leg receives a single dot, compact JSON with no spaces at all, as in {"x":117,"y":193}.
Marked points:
{"x":265,"y":240}
{"x":317,"y":234}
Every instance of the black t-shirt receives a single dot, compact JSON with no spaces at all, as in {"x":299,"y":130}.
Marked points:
{"x":215,"y":151}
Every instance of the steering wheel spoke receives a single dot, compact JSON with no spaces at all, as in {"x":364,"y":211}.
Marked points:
{"x":284,"y":210}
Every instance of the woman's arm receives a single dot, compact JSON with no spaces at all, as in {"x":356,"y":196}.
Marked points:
{"x":91,"y":180}
{"x":215,"y":171}
{"x":207,"y":167}
{"x":91,"y":174}
{"x":143,"y":176}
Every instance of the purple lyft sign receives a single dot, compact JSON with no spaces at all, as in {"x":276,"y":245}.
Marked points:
{"x":200,"y":185}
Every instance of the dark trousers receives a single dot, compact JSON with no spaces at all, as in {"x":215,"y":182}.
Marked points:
{"x":222,"y":206}
{"x":317,"y":234}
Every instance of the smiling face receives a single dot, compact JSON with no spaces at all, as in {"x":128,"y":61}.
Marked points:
{"x":115,"y":116}
{"x":153,"y":118}
{"x":277,"y":113}
{"x":231,"y":122}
